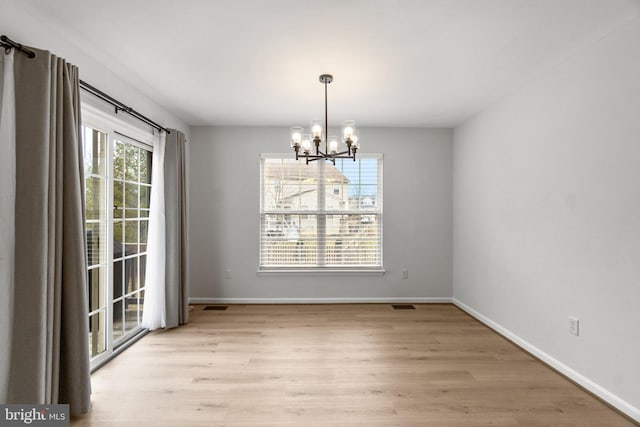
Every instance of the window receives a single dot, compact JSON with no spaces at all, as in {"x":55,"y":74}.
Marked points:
{"x":117,"y":195}
{"x":321,"y":216}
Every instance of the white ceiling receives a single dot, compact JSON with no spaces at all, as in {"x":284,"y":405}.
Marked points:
{"x":409,"y":63}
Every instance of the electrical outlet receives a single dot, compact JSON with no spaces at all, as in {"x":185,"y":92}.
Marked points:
{"x":227,"y":274}
{"x":574,"y":326}
{"x":405,"y":274}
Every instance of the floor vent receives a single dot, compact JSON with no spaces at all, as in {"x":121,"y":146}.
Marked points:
{"x":216,"y":307}
{"x":403,"y":307}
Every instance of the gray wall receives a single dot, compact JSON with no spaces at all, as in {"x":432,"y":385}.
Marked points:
{"x":224,"y":184}
{"x":547,"y":214}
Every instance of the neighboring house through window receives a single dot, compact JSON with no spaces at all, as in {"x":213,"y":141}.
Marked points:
{"x":320,"y":215}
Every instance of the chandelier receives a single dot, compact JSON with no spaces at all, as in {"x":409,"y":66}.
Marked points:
{"x":302,"y":142}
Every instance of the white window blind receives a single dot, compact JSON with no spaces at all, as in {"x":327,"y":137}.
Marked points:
{"x":320,"y":215}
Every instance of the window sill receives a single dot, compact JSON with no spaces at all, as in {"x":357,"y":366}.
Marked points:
{"x":321,"y":271}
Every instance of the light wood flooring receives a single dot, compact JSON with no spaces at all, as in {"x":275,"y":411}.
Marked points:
{"x":347,"y":365}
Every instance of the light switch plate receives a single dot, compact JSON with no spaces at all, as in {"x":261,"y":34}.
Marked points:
{"x":574,"y":326}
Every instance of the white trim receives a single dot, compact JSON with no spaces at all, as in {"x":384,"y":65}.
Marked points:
{"x":349,"y":300}
{"x":321,"y":213}
{"x":104,"y":120}
{"x":119,"y":349}
{"x":283,"y":271}
{"x":615,"y":401}
{"x":324,"y":212}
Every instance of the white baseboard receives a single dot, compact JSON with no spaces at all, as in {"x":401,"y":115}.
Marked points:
{"x":358,"y":300}
{"x":615,"y":401}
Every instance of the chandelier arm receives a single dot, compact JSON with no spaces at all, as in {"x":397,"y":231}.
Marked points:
{"x":313,"y":157}
{"x":340,"y":157}
{"x":321,"y":155}
{"x":341,"y":153}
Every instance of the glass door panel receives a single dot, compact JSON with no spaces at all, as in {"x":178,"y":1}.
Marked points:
{"x":117,"y":198}
{"x":132,"y":188}
{"x":95,"y":158}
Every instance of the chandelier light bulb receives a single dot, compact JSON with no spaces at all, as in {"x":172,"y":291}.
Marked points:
{"x":348,"y":130}
{"x":296,"y":136}
{"x":316,"y":129}
{"x":306,"y":144}
{"x":333,"y":145}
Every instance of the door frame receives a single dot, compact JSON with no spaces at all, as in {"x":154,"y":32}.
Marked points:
{"x":115,"y":127}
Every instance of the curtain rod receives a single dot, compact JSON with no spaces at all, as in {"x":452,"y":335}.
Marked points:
{"x":119,"y":106}
{"x":7,"y":43}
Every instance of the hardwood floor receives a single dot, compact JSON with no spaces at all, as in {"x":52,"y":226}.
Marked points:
{"x":348,"y":365}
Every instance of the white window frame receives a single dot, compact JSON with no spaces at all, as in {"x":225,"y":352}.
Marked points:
{"x":332,"y":270}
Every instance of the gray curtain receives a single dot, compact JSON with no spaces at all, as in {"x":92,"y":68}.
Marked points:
{"x":175,"y":193}
{"x":49,"y":353}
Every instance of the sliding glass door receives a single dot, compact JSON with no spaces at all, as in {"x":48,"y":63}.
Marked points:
{"x":117,"y":191}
